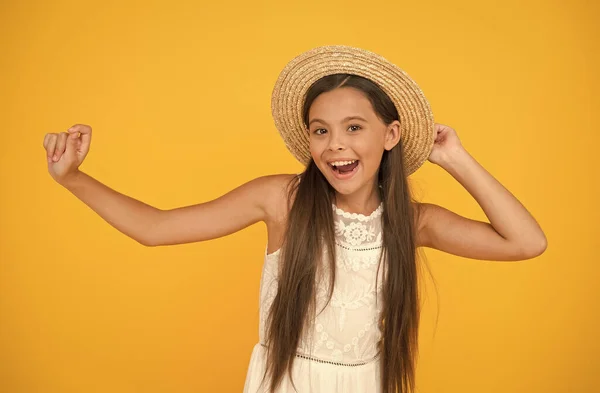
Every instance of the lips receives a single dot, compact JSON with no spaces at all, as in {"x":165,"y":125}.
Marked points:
{"x":345,"y":166}
{"x":346,"y":171}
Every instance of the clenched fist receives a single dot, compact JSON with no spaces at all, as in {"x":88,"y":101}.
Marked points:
{"x":66,"y":151}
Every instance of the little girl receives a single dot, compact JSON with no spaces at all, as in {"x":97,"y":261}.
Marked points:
{"x":339,"y":298}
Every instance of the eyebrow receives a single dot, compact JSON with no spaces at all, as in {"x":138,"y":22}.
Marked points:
{"x":343,"y":121}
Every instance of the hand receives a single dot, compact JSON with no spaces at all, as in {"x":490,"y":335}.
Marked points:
{"x":66,"y":151}
{"x":446,"y":144}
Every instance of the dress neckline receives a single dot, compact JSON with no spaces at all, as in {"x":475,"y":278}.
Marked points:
{"x":358,"y":216}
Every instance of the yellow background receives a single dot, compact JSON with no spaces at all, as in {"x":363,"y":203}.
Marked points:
{"x":178,"y":96}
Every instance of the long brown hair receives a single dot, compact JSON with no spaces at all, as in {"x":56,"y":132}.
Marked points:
{"x":310,"y":231}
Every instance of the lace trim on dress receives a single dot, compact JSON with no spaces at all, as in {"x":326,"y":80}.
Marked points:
{"x":357,"y":216}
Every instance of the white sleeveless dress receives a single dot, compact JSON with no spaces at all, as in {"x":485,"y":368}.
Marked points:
{"x":339,"y":352}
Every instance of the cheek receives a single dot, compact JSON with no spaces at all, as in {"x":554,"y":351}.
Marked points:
{"x":371,"y":155}
{"x":315,"y":148}
{"x":313,"y":152}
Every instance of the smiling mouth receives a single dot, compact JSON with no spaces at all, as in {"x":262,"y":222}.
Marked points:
{"x":344,"y":167}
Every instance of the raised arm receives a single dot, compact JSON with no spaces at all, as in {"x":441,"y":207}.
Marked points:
{"x":512,"y":233}
{"x":239,"y":208}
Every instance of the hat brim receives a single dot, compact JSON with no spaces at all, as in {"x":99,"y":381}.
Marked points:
{"x":289,"y":93}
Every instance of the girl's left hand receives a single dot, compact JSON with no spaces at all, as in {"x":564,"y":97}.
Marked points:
{"x":446,"y":144}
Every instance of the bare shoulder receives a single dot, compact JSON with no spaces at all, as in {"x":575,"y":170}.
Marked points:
{"x":279,"y":192}
{"x":422,"y":213}
{"x":430,"y":219}
{"x":275,"y":195}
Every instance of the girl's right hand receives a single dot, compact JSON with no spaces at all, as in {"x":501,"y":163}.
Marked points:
{"x":66,"y":151}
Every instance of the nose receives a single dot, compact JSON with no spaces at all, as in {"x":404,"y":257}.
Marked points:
{"x":336,"y":141}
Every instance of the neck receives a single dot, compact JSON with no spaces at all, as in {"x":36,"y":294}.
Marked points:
{"x":363,"y":201}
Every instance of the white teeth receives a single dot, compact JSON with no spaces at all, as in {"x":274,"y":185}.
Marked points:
{"x":340,"y":163}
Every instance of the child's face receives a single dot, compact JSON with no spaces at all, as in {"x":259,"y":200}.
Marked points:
{"x":345,"y":130}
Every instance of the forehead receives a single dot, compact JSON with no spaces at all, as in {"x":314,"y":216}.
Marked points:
{"x":339,"y":103}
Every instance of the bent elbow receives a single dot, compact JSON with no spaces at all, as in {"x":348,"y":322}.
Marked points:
{"x":145,"y":242}
{"x":535,"y":249}
{"x":150,"y":236}
{"x":148,"y":241}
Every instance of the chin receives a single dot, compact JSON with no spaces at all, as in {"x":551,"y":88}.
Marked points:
{"x":342,"y":189}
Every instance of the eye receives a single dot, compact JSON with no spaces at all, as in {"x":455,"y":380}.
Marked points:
{"x":355,"y":127}
{"x":320,"y":131}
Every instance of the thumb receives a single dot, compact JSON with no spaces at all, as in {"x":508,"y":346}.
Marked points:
{"x":72,"y":141}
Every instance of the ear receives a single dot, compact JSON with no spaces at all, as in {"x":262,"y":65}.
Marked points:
{"x":392,"y":135}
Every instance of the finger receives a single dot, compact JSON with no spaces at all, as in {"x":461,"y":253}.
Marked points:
{"x":86,"y":140}
{"x":61,"y":144}
{"x":46,"y":138}
{"x":86,"y":136}
{"x":73,"y":143}
{"x":82,"y":128}
{"x":51,"y":144}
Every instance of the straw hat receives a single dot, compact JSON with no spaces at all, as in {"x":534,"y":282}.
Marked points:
{"x":416,"y":118}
